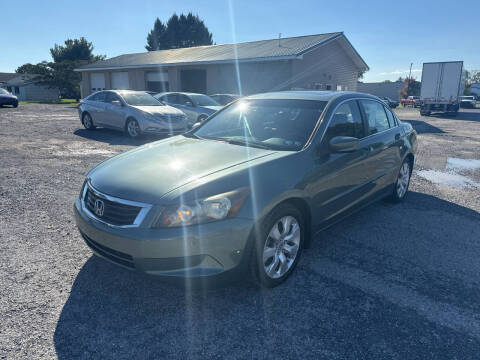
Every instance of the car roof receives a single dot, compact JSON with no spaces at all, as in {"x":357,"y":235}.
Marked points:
{"x":311,"y":95}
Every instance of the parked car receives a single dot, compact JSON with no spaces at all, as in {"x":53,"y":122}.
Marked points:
{"x":224,"y":99}
{"x":247,"y":188}
{"x":7,"y":98}
{"x":197,"y":107}
{"x":467,"y":102}
{"x":134,"y":112}
{"x":411,"y":101}
{"x":392,"y":103}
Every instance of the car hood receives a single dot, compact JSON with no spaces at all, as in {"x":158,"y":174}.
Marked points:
{"x":149,"y":172}
{"x":8,"y":96}
{"x":214,"y":108}
{"x":159,"y":110}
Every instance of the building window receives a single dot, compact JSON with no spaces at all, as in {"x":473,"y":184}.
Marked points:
{"x":157,"y":81}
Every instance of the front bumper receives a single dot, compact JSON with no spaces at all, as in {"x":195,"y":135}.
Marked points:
{"x":8,"y":101}
{"x":193,"y":251}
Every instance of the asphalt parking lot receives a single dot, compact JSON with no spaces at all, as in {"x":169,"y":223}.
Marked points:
{"x":393,"y":281}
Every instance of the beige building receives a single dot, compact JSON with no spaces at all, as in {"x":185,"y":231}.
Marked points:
{"x":322,"y":62}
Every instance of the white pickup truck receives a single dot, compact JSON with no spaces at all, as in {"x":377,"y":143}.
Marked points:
{"x":442,"y":84}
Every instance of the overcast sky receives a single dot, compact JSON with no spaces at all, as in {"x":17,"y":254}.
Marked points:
{"x":388,"y":35}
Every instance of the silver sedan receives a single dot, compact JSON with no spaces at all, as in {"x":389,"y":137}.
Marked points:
{"x":198,"y":107}
{"x":135,"y":112}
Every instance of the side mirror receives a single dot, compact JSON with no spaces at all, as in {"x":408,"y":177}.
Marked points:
{"x":117,"y":103}
{"x":341,"y":144}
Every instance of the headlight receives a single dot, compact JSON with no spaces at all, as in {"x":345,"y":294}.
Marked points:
{"x":210,"y":209}
{"x":148,"y":116}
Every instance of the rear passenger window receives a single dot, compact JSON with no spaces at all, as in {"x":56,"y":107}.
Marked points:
{"x":346,"y":122}
{"x":100,"y":96}
{"x":376,"y":116}
{"x":391,"y":118}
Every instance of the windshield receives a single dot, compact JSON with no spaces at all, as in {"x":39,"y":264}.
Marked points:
{"x":3,"y":91}
{"x":140,"y":99}
{"x":267,"y":123}
{"x":204,"y":100}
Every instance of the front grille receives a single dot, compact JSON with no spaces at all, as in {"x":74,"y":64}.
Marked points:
{"x":113,"y":212}
{"x":172,"y":118}
{"x":113,"y":255}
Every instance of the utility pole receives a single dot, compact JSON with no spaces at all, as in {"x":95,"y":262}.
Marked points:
{"x":409,"y":77}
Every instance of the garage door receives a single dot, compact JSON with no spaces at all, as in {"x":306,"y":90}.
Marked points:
{"x":120,"y":80}
{"x":157,"y":81}
{"x":97,"y":81}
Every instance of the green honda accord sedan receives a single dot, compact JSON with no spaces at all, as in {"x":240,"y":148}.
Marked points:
{"x":248,"y":188}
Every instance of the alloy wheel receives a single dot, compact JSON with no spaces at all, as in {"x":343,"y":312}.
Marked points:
{"x":403,"y":180}
{"x":281,"y":247}
{"x":133,"y":128}
{"x":87,"y":121}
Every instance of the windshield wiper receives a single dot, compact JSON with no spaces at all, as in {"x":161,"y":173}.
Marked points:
{"x":248,"y":143}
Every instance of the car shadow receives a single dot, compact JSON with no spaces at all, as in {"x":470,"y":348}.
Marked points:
{"x":421,"y":127}
{"x":463,"y":115}
{"x":113,"y":137}
{"x":318,"y":312}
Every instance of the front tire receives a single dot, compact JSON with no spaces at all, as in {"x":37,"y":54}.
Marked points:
{"x":277,"y":245}
{"x":87,"y":121}
{"x":132,"y":128}
{"x":400,"y":189}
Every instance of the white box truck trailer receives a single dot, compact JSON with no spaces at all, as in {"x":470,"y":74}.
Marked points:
{"x":442,"y":84}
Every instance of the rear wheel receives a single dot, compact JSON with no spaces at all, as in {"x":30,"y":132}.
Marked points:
{"x":403,"y":181}
{"x":278,"y":246}
{"x":132,"y":128}
{"x":87,"y":121}
{"x":15,"y":105}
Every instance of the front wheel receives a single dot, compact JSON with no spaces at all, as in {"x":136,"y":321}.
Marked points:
{"x":403,"y":181}
{"x":132,"y":128}
{"x":15,"y":105}
{"x":278,"y":246}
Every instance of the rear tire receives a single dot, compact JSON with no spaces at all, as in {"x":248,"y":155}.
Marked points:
{"x":15,"y":105}
{"x":400,"y":188}
{"x":87,"y":121}
{"x":277,"y":246}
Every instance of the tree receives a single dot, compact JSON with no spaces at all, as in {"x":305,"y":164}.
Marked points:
{"x":74,"y":50}
{"x":360,"y":74}
{"x":156,"y":37}
{"x":411,"y":87}
{"x":60,"y":73}
{"x":34,"y":69}
{"x":476,"y":76}
{"x":179,"y":32}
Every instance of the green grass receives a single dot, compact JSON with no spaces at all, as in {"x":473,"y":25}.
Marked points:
{"x":59,"y":101}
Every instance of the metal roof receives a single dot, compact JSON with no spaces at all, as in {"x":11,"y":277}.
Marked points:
{"x":263,"y":50}
{"x":4,"y":77}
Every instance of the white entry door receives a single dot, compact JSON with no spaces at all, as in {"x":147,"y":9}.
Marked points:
{"x":97,"y":81}
{"x":120,"y":80}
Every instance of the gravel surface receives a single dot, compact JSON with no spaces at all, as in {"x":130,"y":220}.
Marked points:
{"x":393,"y":281}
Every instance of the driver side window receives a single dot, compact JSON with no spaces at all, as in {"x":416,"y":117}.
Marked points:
{"x":346,"y":121}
